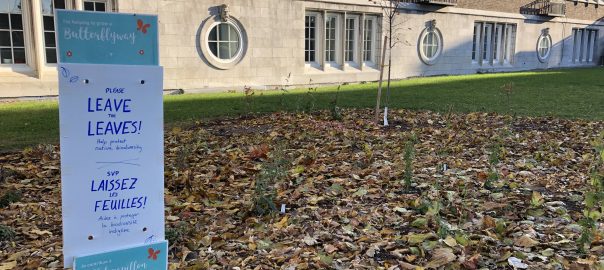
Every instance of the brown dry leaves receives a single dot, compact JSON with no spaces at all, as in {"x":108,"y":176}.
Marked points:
{"x":346,"y":206}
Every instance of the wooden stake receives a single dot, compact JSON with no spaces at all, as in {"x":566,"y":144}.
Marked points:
{"x":379,"y":95}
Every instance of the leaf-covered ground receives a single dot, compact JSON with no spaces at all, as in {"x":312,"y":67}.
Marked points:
{"x":489,"y":192}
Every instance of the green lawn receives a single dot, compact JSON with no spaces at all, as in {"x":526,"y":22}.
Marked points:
{"x":568,"y":93}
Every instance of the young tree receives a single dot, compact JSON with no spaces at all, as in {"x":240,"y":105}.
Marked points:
{"x":391,"y":26}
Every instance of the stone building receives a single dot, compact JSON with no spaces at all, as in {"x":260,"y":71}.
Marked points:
{"x":228,"y":44}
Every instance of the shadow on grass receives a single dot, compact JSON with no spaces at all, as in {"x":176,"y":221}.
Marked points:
{"x":570,"y":93}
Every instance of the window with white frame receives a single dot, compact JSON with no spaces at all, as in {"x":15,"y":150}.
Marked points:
{"x":224,"y":41}
{"x":430,"y":44}
{"x":50,"y":45}
{"x":544,"y":46}
{"x":332,"y":39}
{"x":351,"y":30}
{"x":509,"y":42}
{"x":340,"y":40}
{"x":12,"y":38}
{"x":310,"y":37}
{"x":98,"y":5}
{"x":497,"y":42}
{"x":584,"y":45}
{"x":369,"y":38}
{"x":487,"y":44}
{"x":493,"y":43}
{"x":476,"y":42}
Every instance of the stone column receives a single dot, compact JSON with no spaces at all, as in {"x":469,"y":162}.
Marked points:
{"x":79,"y":5}
{"x":38,"y":36}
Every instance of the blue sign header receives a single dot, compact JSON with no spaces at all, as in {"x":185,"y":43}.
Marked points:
{"x":106,"y":38}
{"x":152,"y":256}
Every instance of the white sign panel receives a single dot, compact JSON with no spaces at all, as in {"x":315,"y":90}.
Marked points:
{"x":111,"y":121}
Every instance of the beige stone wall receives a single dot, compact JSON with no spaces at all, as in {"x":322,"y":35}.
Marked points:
{"x":275,"y":49}
{"x":456,"y":26}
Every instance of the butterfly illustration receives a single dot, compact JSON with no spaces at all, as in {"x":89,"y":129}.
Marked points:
{"x":153,"y":253}
{"x":141,"y":26}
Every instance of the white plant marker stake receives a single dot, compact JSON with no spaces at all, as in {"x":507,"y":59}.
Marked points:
{"x":385,"y":116}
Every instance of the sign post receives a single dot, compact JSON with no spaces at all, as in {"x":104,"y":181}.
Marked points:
{"x":111,"y":124}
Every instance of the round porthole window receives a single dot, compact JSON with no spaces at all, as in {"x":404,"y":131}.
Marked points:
{"x":223,"y":42}
{"x":544,"y":47}
{"x":430,"y":45}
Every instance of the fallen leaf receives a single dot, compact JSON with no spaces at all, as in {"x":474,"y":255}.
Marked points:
{"x":309,"y":240}
{"x":420,"y":222}
{"x":330,"y":248}
{"x":418,"y":238}
{"x":517,"y":263}
{"x":525,"y":241}
{"x":360,"y":192}
{"x":281,"y":224}
{"x":172,"y":218}
{"x":39,"y":232}
{"x":488,"y":222}
{"x":450,"y":241}
{"x":8,"y":265}
{"x":440,"y":257}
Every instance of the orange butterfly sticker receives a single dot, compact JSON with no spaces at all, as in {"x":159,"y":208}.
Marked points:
{"x":153,"y":253}
{"x":141,"y":26}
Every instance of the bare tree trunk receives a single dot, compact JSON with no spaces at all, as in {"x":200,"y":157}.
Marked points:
{"x":379,"y":95}
{"x":390,"y":22}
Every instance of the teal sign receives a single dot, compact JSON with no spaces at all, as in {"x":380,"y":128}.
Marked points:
{"x":148,"y":257}
{"x":106,"y":38}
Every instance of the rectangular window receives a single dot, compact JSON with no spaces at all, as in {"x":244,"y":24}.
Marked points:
{"x":493,"y":43}
{"x":476,"y":41}
{"x":339,"y":39}
{"x":509,"y":41}
{"x":50,"y":45}
{"x":350,"y":51}
{"x":588,"y":52}
{"x":369,"y":39}
{"x":100,"y":6}
{"x":497,"y":38}
{"x":584,"y":45}
{"x":12,"y":39}
{"x":331,"y":38}
{"x":486,"y":42}
{"x":310,"y":38}
{"x":593,"y":44}
{"x":578,"y":47}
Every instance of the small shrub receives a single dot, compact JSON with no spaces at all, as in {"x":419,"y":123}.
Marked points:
{"x":311,"y":99}
{"x":249,"y":99}
{"x":6,"y":173}
{"x":6,"y":233}
{"x":9,"y":197}
{"x":594,"y":198}
{"x":177,"y":233}
{"x":494,"y":159}
{"x":508,"y":90}
{"x":41,"y":151}
{"x":283,"y":89}
{"x":335,"y":110}
{"x":408,"y":158}
{"x":273,"y":171}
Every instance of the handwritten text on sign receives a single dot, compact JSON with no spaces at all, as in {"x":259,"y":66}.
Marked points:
{"x":111,"y":157}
